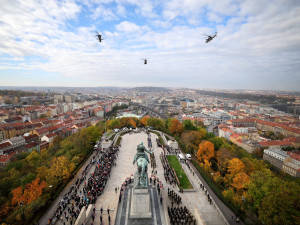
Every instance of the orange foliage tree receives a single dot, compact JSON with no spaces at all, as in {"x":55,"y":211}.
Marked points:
{"x":31,"y":192}
{"x":176,"y":127}
{"x":132,"y":122}
{"x":144,"y":120}
{"x":205,"y":151}
{"x":240,"y":181}
{"x":235,"y":166}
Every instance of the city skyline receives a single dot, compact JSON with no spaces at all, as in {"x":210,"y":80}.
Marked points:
{"x":53,"y":43}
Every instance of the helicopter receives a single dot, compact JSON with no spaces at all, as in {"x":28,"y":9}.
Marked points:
{"x":210,"y":37}
{"x":98,"y":35}
{"x":145,"y":61}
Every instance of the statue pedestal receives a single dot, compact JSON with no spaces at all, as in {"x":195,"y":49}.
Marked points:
{"x":140,"y":204}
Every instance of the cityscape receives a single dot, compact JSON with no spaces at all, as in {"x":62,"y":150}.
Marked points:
{"x":125,"y":112}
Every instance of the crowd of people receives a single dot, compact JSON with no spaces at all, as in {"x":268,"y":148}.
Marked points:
{"x":86,"y":188}
{"x":181,"y":216}
{"x":168,"y":173}
{"x":174,"y":197}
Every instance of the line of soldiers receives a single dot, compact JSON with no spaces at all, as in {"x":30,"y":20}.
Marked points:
{"x":168,"y":173}
{"x":149,"y":141}
{"x":174,"y":196}
{"x":181,"y":216}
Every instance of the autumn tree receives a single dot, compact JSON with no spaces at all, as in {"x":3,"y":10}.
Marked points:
{"x":144,"y":120}
{"x":205,"y":151}
{"x":249,"y":166}
{"x":223,"y":157}
{"x":191,"y":139}
{"x":240,"y":181}
{"x":61,"y":168}
{"x":31,"y":192}
{"x":176,"y":127}
{"x":132,"y":122}
{"x":235,"y":166}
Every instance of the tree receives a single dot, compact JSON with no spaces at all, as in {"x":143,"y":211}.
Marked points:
{"x":144,"y":120}
{"x":34,"y":190}
{"x":31,"y":192}
{"x":223,"y":157}
{"x":155,"y":122}
{"x":205,"y":151}
{"x":61,"y":168}
{"x":240,"y":181}
{"x":217,"y":141}
{"x":176,"y":127}
{"x":258,"y":186}
{"x":192,"y":140}
{"x":33,"y":159}
{"x":281,"y":205}
{"x":18,"y":196}
{"x":235,"y":166}
{"x":188,"y":125}
{"x":114,"y":123}
{"x":132,"y":122}
{"x":249,"y":166}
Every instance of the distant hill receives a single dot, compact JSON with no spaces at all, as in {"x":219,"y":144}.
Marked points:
{"x":150,"y":89}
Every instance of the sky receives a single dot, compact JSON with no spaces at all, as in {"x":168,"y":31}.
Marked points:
{"x":54,"y":43}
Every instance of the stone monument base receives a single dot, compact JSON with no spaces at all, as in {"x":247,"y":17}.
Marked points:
{"x":140,"y":204}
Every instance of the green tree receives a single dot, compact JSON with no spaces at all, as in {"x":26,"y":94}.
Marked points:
{"x":33,"y":159}
{"x":281,"y":205}
{"x":113,"y":124}
{"x":188,"y":125}
{"x":217,"y":141}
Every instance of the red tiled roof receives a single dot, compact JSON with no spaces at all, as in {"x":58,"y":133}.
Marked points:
{"x":275,"y":143}
{"x":51,"y":135}
{"x":235,"y":136}
{"x":5,"y":144}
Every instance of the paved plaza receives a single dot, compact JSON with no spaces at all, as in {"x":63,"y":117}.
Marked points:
{"x":109,"y":199}
{"x":196,"y":201}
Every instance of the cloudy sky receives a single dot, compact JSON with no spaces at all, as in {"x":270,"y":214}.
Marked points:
{"x":53,"y":43}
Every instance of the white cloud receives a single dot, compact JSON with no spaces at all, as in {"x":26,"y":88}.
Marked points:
{"x":258,"y":45}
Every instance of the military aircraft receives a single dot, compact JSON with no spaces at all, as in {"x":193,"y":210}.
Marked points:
{"x":210,"y":37}
{"x":145,"y":60}
{"x":98,"y":35}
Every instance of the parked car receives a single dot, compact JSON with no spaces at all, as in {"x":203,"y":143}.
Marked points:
{"x":188,"y":156}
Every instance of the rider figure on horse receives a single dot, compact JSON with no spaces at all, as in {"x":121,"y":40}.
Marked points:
{"x":142,"y":160}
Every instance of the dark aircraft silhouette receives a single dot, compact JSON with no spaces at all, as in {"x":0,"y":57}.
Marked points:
{"x":145,"y":60}
{"x":210,"y":37}
{"x":98,"y":35}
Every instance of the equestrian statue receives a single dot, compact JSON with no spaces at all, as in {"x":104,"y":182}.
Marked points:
{"x":141,"y":159}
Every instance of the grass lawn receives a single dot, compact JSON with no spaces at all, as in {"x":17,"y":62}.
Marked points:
{"x":184,"y":180}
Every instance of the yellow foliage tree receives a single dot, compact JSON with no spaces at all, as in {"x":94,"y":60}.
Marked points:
{"x":61,"y":168}
{"x":33,"y":158}
{"x":205,"y":151}
{"x":207,"y":165}
{"x":235,"y":166}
